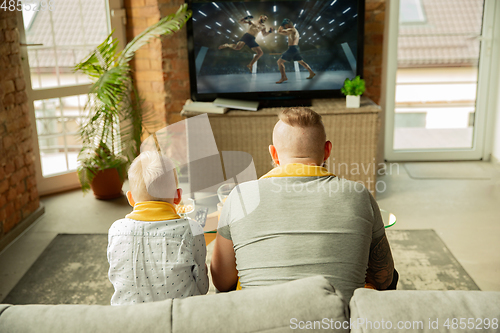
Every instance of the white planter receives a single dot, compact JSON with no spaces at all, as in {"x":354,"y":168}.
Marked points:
{"x":352,"y":101}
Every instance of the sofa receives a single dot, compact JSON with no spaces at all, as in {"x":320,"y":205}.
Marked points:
{"x":310,"y":304}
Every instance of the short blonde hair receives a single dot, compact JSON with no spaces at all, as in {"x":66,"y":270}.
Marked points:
{"x":302,"y":117}
{"x":152,"y":177}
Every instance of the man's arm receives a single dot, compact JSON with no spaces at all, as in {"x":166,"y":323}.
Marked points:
{"x":246,"y":20}
{"x":223,"y":265}
{"x":266,"y":32}
{"x":285,"y":32}
{"x":380,"y":264}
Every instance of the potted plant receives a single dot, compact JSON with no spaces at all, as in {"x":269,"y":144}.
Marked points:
{"x":353,"y":89}
{"x":111,"y":134}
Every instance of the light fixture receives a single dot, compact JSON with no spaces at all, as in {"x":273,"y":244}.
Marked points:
{"x":202,"y":13}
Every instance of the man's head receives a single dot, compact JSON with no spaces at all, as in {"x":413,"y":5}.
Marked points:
{"x":286,"y":23}
{"x":152,"y":177}
{"x":299,"y":137}
{"x":263,"y":18}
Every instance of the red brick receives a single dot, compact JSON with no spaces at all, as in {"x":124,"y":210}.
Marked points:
{"x":11,"y":222}
{"x":34,"y":204}
{"x":9,"y":168}
{"x":3,"y":215}
{"x":9,"y":100}
{"x":4,"y":186}
{"x":2,"y":173}
{"x":12,"y":22}
{"x":20,"y":84}
{"x":11,"y":194}
{"x":33,"y":193}
{"x":9,"y":209}
{"x":28,"y":158}
{"x":30,"y":182}
{"x":21,"y":97}
{"x":31,"y":169}
{"x":8,"y":86}
{"x":15,"y":61}
{"x":3,"y":201}
{"x":25,"y":198}
{"x":19,"y":161}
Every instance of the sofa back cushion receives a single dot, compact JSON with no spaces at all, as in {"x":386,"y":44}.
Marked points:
{"x":425,"y":311}
{"x":270,"y":309}
{"x":305,"y":303}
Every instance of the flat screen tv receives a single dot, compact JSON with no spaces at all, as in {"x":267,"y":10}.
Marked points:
{"x":320,"y":42}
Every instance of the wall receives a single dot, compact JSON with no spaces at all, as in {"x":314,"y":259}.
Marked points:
{"x":165,"y":85}
{"x":18,"y":191}
{"x":161,"y":68}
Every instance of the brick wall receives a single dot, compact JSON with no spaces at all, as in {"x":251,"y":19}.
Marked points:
{"x":373,"y":48}
{"x":18,"y":191}
{"x":173,"y":89}
{"x":160,"y":68}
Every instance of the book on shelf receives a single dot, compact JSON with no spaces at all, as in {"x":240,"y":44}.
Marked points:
{"x":204,"y":107}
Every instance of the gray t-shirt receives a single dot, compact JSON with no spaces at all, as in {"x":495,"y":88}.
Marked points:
{"x":287,"y":228}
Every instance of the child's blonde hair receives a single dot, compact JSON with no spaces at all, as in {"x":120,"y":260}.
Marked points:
{"x":152,"y":177}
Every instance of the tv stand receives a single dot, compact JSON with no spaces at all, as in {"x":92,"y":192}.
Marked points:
{"x":352,"y":131}
{"x":284,"y":103}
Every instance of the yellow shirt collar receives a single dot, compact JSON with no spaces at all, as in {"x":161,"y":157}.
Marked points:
{"x":153,"y":211}
{"x":298,"y":170}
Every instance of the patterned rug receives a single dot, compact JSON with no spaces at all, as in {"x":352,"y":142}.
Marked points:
{"x":73,"y":269}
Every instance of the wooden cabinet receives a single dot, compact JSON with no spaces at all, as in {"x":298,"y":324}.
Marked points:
{"x":353,"y":133}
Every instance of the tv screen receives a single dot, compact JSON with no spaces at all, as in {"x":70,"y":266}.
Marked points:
{"x":274,"y":49}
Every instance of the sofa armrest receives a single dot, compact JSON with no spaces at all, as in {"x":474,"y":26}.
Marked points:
{"x":418,"y":310}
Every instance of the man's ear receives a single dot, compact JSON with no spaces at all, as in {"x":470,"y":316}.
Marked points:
{"x":274,"y":154}
{"x":178,"y":196}
{"x":328,"y":150}
{"x":130,"y":199}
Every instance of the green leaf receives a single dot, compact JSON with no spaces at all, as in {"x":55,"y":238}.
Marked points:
{"x":354,"y":87}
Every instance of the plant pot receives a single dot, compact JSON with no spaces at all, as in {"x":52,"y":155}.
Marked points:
{"x":107,"y":184}
{"x":352,"y":101}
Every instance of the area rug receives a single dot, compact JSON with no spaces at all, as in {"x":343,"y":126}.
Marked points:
{"x":451,"y":170}
{"x":73,"y":269}
{"x":425,"y":263}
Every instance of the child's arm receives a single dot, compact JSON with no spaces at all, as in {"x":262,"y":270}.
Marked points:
{"x":200,"y":255}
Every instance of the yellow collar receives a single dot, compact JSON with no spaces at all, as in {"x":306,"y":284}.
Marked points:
{"x":298,"y":170}
{"x":153,"y":211}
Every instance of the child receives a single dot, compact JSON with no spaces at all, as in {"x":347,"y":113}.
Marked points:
{"x":153,"y":253}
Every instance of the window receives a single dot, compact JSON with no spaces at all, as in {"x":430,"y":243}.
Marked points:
{"x":411,"y":11}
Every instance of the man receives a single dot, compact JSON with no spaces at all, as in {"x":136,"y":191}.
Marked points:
{"x":249,"y":38}
{"x":293,"y":52}
{"x":300,"y":220}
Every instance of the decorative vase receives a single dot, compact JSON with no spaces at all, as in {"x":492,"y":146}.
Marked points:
{"x":352,"y":101}
{"x":107,"y":185}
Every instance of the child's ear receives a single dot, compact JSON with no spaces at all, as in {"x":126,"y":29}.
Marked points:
{"x":178,"y":196}
{"x":130,"y":199}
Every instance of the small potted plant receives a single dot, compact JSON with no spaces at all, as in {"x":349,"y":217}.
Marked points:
{"x":353,"y":89}
{"x":111,"y":134}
